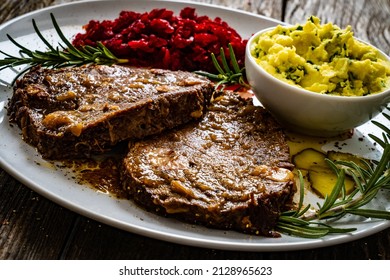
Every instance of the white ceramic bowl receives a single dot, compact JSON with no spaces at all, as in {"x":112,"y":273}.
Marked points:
{"x":309,"y":112}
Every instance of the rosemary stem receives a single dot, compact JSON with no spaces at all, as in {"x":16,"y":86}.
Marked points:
{"x":334,"y":210}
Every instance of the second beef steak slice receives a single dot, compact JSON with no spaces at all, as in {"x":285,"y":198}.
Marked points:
{"x":79,"y":111}
{"x":231,"y":170}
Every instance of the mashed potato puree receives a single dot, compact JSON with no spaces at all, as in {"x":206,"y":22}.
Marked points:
{"x":323,"y":59}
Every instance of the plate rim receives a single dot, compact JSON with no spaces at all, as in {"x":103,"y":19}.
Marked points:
{"x":170,"y":237}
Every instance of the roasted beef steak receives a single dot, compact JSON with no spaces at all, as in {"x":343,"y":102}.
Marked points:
{"x":75,"y":112}
{"x":230,"y":170}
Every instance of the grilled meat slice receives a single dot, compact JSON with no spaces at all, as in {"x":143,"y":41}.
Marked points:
{"x":231,"y":170}
{"x":79,"y":111}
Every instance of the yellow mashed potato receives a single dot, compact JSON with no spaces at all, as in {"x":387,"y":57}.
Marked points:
{"x":323,"y":59}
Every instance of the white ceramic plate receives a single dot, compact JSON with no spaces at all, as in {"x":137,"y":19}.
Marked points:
{"x":22,"y":161}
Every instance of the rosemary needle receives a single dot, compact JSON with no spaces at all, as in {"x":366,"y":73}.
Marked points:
{"x":299,"y":222}
{"x":67,"y":55}
{"x":235,"y":76}
{"x":369,"y":180}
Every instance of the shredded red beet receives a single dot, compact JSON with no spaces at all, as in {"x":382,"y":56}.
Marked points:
{"x":162,"y":40}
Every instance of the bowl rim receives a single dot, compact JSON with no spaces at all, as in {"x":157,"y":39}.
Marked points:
{"x":301,"y":90}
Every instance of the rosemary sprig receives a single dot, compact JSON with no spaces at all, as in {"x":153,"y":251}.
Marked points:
{"x":66,"y":55}
{"x":299,"y":222}
{"x":369,"y":180}
{"x":69,"y":55}
{"x":226,"y":75}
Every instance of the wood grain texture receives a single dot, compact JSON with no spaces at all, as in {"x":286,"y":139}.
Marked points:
{"x":104,"y":242}
{"x":266,"y":8}
{"x":32,"y":227}
{"x":10,"y":8}
{"x":370,"y":19}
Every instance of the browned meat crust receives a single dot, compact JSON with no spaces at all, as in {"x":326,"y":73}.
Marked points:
{"x":76,"y":112}
{"x":231,"y":170}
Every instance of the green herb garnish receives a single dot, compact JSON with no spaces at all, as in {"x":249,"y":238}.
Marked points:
{"x":226,"y":76}
{"x":66,"y":55}
{"x":301,"y":222}
{"x":369,"y":180}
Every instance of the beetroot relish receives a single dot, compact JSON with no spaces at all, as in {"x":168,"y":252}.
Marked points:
{"x":162,"y":40}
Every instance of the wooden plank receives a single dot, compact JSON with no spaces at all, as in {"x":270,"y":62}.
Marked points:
{"x":97,"y":241}
{"x":31,"y":227}
{"x":271,"y":9}
{"x":9,"y":8}
{"x":370,"y":20}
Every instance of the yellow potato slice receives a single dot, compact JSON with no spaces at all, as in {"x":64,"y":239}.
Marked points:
{"x":309,"y":159}
{"x":323,"y":181}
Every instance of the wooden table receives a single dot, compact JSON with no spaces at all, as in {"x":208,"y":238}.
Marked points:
{"x":32,"y":227}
